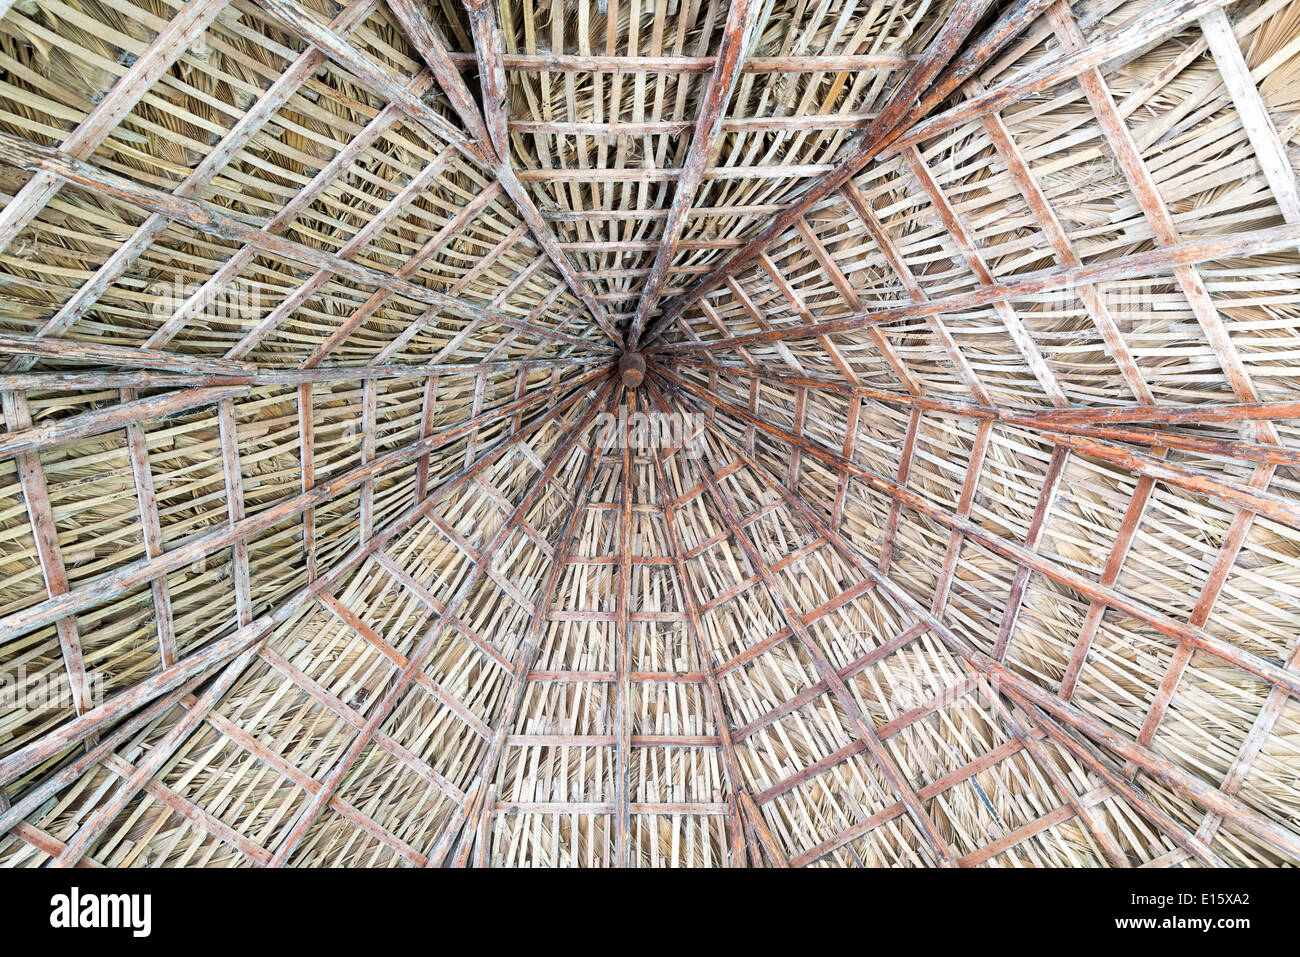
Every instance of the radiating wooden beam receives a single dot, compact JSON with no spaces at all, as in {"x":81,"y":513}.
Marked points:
{"x":482,"y":126}
{"x":916,"y":95}
{"x":317,"y":803}
{"x":1247,"y":244}
{"x":812,"y":692}
{"x":451,"y":833}
{"x":487,"y":129}
{"x":1151,"y":26}
{"x":737,"y":37}
{"x":298,"y":22}
{"x":307,"y":468}
{"x":1076,"y":421}
{"x":209,"y":219}
{"x":113,"y":583}
{"x":1269,"y":148}
{"x":1261,"y":668}
{"x":776,"y":857}
{"x":472,"y":330}
{"x":623,"y":649}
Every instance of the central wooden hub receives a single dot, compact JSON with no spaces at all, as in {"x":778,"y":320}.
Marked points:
{"x":631,"y":367}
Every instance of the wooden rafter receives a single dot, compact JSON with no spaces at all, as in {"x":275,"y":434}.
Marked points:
{"x":206,"y":218}
{"x":737,"y":37}
{"x":1197,"y":638}
{"x":107,"y":586}
{"x":1138,"y":265}
{"x":901,"y":111}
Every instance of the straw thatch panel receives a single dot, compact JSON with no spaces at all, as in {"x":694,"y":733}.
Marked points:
{"x":971,"y":534}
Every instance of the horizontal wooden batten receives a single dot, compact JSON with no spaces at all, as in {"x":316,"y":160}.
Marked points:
{"x":574,"y":63}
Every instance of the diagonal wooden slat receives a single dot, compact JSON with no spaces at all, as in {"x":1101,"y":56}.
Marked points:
{"x":207,"y":218}
{"x":743,"y":17}
{"x":180,"y":32}
{"x":239,"y":136}
{"x":905,"y":106}
{"x":860,"y":725}
{"x":486,"y":129}
{"x":416,"y":660}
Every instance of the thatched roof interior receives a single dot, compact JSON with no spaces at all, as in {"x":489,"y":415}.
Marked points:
{"x":978,"y":542}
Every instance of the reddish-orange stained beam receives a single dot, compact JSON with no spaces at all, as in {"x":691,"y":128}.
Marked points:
{"x":1253,"y":664}
{"x":859,"y":723}
{"x":1088,"y":422}
{"x":918,"y":93}
{"x":1251,"y":497}
{"x":1171,"y":257}
{"x":623,"y":650}
{"x":201,"y":662}
{"x":316,"y":804}
{"x":737,"y":37}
